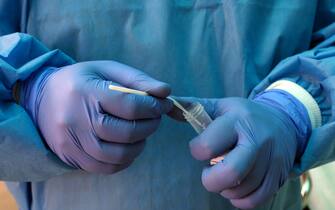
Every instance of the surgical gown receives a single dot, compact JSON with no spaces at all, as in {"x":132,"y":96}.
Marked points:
{"x":203,"y":48}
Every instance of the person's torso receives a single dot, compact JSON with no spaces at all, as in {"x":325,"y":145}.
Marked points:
{"x":203,"y":48}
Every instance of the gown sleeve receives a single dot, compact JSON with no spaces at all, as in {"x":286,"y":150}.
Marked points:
{"x":312,"y":74}
{"x":23,"y":154}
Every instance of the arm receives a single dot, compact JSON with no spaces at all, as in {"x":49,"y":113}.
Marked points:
{"x":22,"y":151}
{"x":314,"y":71}
{"x":85,"y":124}
{"x":285,"y":126}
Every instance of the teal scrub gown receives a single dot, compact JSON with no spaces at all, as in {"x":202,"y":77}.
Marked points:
{"x":203,"y":48}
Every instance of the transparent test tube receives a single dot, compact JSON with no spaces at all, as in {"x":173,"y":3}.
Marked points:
{"x":199,"y":119}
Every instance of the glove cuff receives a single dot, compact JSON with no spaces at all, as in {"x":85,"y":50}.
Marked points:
{"x":296,"y":112}
{"x":303,"y":96}
{"x":31,"y":91}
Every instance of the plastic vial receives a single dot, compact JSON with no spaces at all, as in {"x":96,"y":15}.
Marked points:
{"x":197,"y":117}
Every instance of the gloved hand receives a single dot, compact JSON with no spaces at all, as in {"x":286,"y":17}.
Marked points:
{"x":89,"y":126}
{"x":261,"y":142}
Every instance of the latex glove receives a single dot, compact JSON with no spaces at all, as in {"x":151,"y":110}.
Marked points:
{"x":89,"y":126}
{"x":261,"y":142}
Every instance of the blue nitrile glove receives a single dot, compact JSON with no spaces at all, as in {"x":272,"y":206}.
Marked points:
{"x":89,"y":126}
{"x":262,"y":138}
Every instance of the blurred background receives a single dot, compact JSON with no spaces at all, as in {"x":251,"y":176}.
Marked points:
{"x":322,"y":195}
{"x":6,"y":200}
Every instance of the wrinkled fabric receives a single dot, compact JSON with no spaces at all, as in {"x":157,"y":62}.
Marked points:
{"x":21,"y":149}
{"x":202,"y":48}
{"x":315,"y":72}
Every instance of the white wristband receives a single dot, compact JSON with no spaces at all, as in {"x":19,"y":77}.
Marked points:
{"x":303,"y":96}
